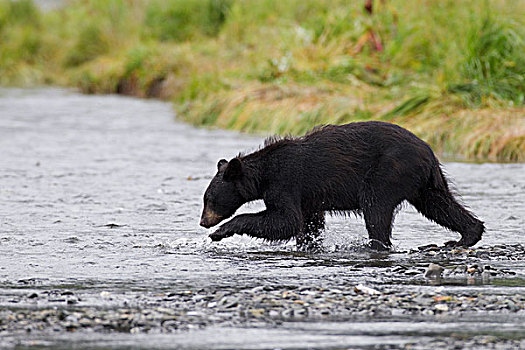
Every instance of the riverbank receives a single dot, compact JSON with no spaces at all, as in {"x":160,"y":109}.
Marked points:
{"x":451,"y":72}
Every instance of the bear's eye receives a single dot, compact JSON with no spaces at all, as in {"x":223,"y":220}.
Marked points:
{"x":209,"y":200}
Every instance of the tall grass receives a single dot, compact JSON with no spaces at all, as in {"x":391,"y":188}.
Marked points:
{"x":494,"y":64}
{"x":183,"y":20}
{"x":20,"y":39}
{"x":284,"y":66}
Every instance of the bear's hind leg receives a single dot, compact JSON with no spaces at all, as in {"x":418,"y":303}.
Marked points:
{"x":441,"y":207}
{"x":378,"y":222}
{"x":308,"y":239}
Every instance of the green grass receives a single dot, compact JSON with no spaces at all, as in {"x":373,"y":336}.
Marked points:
{"x":453,"y":72}
{"x":183,"y":20}
{"x":494,"y":64}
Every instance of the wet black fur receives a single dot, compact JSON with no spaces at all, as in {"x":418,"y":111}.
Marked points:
{"x":367,"y":168}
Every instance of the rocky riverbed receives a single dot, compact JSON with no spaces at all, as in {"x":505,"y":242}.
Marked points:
{"x":40,"y":312}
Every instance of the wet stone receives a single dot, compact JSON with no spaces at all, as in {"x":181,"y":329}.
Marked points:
{"x":433,"y":271}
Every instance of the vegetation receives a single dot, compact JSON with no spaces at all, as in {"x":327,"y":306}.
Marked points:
{"x":451,"y":71}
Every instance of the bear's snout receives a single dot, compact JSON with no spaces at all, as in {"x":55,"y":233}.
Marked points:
{"x":205,"y":223}
{"x":210,"y":218}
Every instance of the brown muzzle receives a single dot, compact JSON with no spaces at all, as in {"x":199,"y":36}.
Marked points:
{"x":210,"y":218}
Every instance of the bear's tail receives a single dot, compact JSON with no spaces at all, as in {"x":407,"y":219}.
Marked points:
{"x":436,"y":202}
{"x":438,"y":179}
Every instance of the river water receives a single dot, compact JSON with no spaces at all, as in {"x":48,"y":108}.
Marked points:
{"x":101,"y":195}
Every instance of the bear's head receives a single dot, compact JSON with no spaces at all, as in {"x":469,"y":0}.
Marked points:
{"x":222,"y":198}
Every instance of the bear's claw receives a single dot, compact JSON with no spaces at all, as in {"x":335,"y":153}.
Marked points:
{"x":452,"y":244}
{"x":218,"y":235}
{"x":215,"y":238}
{"x":457,"y":244}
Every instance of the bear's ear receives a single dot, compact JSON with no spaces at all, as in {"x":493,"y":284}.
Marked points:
{"x":233,"y":170}
{"x":221,"y":163}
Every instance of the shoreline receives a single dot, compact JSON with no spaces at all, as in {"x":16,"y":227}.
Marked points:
{"x":44,"y":313}
{"x":217,"y":72}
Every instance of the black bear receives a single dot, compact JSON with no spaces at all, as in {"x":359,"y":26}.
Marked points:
{"x":368,"y":168}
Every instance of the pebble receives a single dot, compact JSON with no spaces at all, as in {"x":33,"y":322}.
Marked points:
{"x":366,"y":290}
{"x":441,"y":307}
{"x":433,"y":271}
{"x":274,"y":313}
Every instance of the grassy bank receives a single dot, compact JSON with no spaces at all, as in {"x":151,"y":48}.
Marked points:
{"x":453,"y":72}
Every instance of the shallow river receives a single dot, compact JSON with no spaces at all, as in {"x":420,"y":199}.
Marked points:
{"x":100,"y":198}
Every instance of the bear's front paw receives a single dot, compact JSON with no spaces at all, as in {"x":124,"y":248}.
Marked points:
{"x":460,"y":244}
{"x":457,"y":244}
{"x":219,"y":234}
{"x":452,"y":244}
